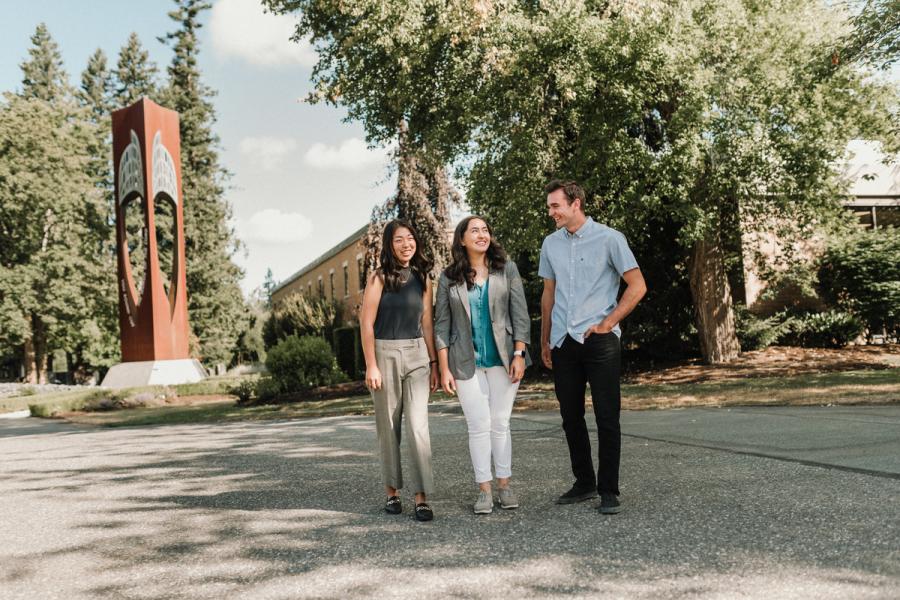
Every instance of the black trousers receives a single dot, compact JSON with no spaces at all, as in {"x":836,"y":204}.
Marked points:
{"x":598,"y":362}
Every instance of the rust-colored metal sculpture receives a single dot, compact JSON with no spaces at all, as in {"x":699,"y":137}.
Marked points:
{"x":153,"y":316}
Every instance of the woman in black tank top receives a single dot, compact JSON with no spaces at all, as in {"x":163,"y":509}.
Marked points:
{"x":401,"y":369}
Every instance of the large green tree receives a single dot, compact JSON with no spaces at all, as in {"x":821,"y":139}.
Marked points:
{"x":424,"y":198}
{"x":215,"y":303}
{"x":51,"y":214}
{"x":691,"y":118}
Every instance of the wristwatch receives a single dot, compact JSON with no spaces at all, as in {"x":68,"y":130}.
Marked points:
{"x":519,"y":353}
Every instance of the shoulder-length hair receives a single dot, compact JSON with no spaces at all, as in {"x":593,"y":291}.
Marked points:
{"x":460,"y":270}
{"x":389,"y":269}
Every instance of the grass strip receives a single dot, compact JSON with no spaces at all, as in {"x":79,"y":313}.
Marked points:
{"x":850,"y":387}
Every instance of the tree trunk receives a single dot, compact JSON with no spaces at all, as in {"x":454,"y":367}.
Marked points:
{"x":37,"y":365}
{"x":31,"y":375}
{"x":712,"y":303}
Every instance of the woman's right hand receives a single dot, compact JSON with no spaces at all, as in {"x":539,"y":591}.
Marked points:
{"x":448,"y":383}
{"x":373,"y":378}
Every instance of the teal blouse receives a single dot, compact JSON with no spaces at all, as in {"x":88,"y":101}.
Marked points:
{"x":486,"y":353}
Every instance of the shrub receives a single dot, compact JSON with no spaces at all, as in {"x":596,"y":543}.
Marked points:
{"x":245,"y":391}
{"x":829,"y":329}
{"x":756,"y":333}
{"x":301,"y":363}
{"x":267,"y":390}
{"x":298,"y":315}
{"x":860,"y":273}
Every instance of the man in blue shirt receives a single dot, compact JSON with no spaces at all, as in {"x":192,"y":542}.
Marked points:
{"x":582,"y":264}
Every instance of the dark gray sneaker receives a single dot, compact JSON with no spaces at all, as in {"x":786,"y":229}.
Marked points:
{"x":609,"y":504}
{"x":484,"y":504}
{"x":577,"y":494}
{"x":508,"y":500}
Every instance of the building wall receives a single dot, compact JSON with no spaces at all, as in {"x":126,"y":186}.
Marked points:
{"x":337,"y":277}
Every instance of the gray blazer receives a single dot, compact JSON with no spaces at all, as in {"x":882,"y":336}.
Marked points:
{"x":509,"y":319}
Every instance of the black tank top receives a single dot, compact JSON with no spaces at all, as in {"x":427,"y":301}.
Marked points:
{"x":399,"y":314}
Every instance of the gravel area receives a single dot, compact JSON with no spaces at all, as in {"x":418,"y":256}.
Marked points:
{"x":756,"y":503}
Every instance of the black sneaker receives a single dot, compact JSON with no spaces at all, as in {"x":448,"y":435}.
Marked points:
{"x":609,"y":504}
{"x":423,"y":512}
{"x":577,"y":494}
{"x":392,"y":506}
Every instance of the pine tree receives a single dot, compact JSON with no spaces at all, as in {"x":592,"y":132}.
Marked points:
{"x":99,"y":346}
{"x":136,"y":75}
{"x":43,"y":75}
{"x":51,"y":215}
{"x":97,"y":86}
{"x":215,"y":303}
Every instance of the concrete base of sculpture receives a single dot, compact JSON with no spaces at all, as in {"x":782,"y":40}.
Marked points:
{"x":154,"y":372}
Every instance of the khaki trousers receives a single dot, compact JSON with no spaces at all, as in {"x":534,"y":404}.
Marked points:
{"x":405,"y":389}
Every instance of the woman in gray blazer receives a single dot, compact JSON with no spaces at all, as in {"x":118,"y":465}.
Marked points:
{"x":481,"y":329}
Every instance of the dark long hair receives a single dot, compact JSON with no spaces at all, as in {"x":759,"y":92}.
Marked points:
{"x":460,"y":270}
{"x":420,"y":264}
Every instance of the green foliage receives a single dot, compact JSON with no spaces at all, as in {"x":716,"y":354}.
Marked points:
{"x":876,"y":36}
{"x":829,"y":329}
{"x":676,"y":113}
{"x":246,"y":390}
{"x":300,"y":363}
{"x":43,"y":75}
{"x":136,"y":74}
{"x":300,"y":315}
{"x":860,"y":273}
{"x":250,"y":347}
{"x":267,"y":391}
{"x":52,"y":229}
{"x":756,"y":333}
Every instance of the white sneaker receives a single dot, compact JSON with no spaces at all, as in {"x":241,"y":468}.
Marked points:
{"x":484,"y":505}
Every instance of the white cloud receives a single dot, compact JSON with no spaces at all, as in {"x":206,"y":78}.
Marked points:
{"x":268,"y":153}
{"x":349,"y":155}
{"x":271,"y":226}
{"x":240,"y":29}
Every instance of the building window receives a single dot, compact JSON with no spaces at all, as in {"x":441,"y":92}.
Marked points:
{"x":331,"y":281}
{"x":346,"y":280}
{"x":321,"y":287}
{"x":309,"y":289}
{"x":360,"y":264}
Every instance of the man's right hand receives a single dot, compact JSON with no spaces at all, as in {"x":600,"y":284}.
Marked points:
{"x":546,"y":355}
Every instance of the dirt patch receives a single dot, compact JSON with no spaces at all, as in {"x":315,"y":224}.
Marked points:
{"x":776,"y":361}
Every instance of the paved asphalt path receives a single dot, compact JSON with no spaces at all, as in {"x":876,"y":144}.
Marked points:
{"x":739,"y":503}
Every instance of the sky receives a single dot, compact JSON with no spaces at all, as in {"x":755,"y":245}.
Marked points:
{"x":302,"y":178}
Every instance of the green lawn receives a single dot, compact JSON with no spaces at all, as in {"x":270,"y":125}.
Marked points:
{"x":851,"y":387}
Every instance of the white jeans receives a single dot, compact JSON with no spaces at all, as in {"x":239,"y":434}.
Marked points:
{"x":487,"y":401}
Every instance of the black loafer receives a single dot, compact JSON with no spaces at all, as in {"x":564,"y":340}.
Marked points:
{"x":392,"y":506}
{"x":609,"y":504}
{"x":424,"y":512}
{"x":577,"y":494}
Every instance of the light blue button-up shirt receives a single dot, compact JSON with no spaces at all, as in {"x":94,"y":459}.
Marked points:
{"x":587,"y":267}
